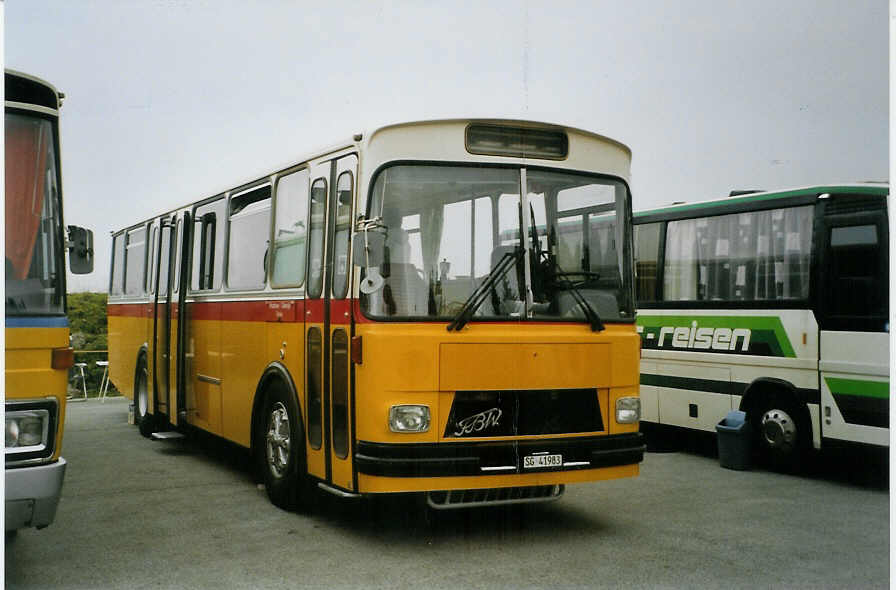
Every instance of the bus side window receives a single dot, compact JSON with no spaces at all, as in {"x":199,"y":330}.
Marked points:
{"x":248,"y":239}
{"x":178,"y":241}
{"x":151,"y":268}
{"x":116,"y":285}
{"x":344,"y":186}
{"x":647,"y":244}
{"x":290,"y":223}
{"x":135,"y":262}
{"x":318,"y":216}
{"x":856,"y":286}
{"x":208,"y":246}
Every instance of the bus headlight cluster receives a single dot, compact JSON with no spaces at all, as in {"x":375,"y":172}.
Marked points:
{"x":410,"y":418}
{"x":27,"y":430}
{"x":628,"y":410}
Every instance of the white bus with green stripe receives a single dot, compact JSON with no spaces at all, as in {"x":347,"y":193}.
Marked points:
{"x":774,"y":303}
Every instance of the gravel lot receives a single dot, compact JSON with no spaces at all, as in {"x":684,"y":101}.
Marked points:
{"x":141,"y":514}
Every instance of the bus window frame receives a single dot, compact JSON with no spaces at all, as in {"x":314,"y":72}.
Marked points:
{"x":320,"y":289}
{"x":127,"y":235}
{"x":275,"y":194}
{"x":811,"y":301}
{"x":346,"y":276}
{"x":627,"y":278}
{"x":52,"y":115}
{"x":150,"y":286}
{"x":225,"y":268}
{"x":660,"y":256}
{"x":199,"y":220}
{"x":114,"y":261}
{"x":827,"y":317}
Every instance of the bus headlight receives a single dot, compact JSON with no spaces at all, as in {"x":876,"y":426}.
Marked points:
{"x":628,"y":410}
{"x":409,"y":418}
{"x":27,"y":430}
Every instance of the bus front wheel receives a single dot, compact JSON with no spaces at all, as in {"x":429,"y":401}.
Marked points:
{"x":142,"y":417}
{"x":280,"y":451}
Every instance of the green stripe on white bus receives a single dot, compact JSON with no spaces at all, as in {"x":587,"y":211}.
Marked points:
{"x":858,"y":387}
{"x":763,"y":335}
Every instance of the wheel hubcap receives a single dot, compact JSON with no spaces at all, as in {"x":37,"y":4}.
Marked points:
{"x":142,"y":396}
{"x":778,"y":430}
{"x":277,"y":440}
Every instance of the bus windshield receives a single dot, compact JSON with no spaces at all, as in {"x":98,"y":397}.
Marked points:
{"x":449,"y":227}
{"x":34,"y":283}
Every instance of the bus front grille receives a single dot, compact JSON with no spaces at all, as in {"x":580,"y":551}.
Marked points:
{"x":493,"y":496}
{"x":523,"y":412}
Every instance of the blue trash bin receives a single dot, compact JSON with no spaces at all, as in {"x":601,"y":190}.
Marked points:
{"x":734,"y":436}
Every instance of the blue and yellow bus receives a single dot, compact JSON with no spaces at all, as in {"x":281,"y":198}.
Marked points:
{"x":38,"y":354}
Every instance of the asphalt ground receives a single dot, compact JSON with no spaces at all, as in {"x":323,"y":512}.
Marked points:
{"x":187,"y":514}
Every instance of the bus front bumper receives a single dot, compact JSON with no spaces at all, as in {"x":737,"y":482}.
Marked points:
{"x":32,"y":494}
{"x":483,"y":458}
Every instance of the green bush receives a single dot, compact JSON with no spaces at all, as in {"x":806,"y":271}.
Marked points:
{"x":87,"y":320}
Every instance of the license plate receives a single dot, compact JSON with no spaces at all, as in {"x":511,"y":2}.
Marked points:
{"x":541,"y":461}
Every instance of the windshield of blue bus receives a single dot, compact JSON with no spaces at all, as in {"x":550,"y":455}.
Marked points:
{"x":34,"y":284}
{"x":448,"y":228}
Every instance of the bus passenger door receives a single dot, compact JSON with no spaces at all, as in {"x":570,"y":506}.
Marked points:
{"x":316,"y":437}
{"x":328,"y":406}
{"x":338,"y":286}
{"x":853,"y":319}
{"x":160,"y":342}
{"x":179,"y":268}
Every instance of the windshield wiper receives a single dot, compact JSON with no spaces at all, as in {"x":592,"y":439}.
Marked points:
{"x":596,"y":324}
{"x":508,"y":261}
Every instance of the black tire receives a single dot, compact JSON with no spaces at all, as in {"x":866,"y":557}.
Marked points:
{"x":144,"y":420}
{"x":280,"y":451}
{"x":782,"y":432}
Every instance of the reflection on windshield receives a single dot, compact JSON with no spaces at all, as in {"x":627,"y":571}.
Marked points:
{"x":447,"y":227}
{"x":33,"y":251}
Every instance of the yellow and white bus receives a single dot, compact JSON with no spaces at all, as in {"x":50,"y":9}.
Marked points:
{"x":398,"y":313}
{"x":774,"y":303}
{"x":38,"y":354}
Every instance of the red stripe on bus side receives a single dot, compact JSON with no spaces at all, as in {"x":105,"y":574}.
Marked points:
{"x":231,"y":311}
{"x":341,"y":311}
{"x":130,"y":310}
{"x":314,"y":311}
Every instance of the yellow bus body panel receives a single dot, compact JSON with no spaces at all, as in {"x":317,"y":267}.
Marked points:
{"x":423,"y":364}
{"x":244,"y":355}
{"x":29,"y":372}
{"x":126,"y":335}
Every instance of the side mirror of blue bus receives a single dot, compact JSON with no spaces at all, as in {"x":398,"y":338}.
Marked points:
{"x":80,"y":250}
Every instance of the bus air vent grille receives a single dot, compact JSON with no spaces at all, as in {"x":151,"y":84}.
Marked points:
{"x":855,"y":204}
{"x":493,"y":496}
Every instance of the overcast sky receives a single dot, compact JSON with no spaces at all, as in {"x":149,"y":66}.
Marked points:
{"x":169,"y":101}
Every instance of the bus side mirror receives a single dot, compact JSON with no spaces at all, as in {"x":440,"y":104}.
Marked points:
{"x":80,"y":250}
{"x":368,"y":248}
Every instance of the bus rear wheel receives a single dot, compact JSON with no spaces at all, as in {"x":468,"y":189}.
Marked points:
{"x":280,"y":451}
{"x":144,"y":420}
{"x":781,"y":432}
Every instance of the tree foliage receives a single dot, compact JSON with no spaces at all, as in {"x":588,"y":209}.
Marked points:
{"x":87,"y":320}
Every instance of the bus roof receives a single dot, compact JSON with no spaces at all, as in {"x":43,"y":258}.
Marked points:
{"x":362,"y":138}
{"x":511,"y":122}
{"x":804,"y":193}
{"x":27,"y":89}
